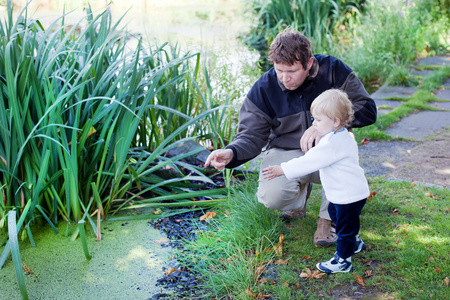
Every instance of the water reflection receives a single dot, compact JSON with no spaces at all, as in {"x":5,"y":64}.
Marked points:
{"x":194,"y":23}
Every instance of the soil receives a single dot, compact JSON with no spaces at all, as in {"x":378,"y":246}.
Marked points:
{"x":425,"y":162}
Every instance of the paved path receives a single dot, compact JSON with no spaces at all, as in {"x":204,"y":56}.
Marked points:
{"x":428,"y":129}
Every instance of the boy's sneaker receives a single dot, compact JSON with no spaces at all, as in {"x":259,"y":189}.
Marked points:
{"x":335,"y":265}
{"x":360,"y":245}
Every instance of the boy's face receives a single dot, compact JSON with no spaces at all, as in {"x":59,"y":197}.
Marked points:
{"x":323,"y":124}
{"x":292,"y":76}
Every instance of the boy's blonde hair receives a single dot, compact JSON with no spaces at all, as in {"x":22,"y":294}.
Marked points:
{"x":334,"y":103}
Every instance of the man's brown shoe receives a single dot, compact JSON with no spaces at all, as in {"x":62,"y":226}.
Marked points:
{"x":324,"y":236}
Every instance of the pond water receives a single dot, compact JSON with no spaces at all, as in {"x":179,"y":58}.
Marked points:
{"x":128,"y":261}
{"x":191,"y":23}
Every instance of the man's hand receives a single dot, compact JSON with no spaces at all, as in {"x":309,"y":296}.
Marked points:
{"x":271,"y":172}
{"x":308,"y":138}
{"x":219,"y":158}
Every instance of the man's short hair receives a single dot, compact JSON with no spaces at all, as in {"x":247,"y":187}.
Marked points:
{"x":290,"y":46}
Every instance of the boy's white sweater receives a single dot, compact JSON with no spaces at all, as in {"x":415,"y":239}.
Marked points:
{"x":336,"y":158}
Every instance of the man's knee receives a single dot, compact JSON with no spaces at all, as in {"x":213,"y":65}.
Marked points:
{"x":282,"y":198}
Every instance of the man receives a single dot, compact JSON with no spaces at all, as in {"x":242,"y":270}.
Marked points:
{"x":276,"y":115}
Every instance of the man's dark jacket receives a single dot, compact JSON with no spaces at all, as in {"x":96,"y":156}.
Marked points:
{"x":273,"y":116}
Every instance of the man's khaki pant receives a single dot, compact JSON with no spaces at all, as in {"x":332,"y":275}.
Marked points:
{"x":283,"y":194}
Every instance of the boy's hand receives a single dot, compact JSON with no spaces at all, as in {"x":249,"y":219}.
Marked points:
{"x":271,"y":172}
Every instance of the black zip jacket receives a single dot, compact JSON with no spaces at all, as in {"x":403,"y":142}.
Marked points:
{"x":273,"y":116}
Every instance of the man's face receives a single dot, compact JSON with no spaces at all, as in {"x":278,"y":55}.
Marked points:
{"x":292,"y":76}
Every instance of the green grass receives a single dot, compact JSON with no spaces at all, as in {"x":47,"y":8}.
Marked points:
{"x":404,"y":225}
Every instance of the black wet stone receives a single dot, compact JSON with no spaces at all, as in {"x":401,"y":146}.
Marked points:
{"x":184,"y":280}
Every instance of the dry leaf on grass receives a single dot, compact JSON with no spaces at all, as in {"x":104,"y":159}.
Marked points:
{"x":359,"y":279}
{"x":312,"y":275}
{"x":371,"y":195}
{"x":259,"y":271}
{"x":281,"y":262}
{"x":446,"y":280}
{"x":430,"y":195}
{"x":249,"y":293}
{"x":208,"y":216}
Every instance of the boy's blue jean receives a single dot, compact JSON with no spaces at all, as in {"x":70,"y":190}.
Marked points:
{"x":346,"y":218}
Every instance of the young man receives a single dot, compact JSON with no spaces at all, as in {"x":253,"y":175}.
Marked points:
{"x":276,"y":116}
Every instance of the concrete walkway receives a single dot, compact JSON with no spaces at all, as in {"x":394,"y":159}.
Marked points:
{"x":424,"y":128}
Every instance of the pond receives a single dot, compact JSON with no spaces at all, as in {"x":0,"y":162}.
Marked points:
{"x":193,"y":23}
{"x":128,"y":260}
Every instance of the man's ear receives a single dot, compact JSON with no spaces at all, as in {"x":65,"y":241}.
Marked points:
{"x":310,"y":62}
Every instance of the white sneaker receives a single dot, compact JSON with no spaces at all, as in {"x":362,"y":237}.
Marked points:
{"x":335,"y":265}
{"x":360,"y":245}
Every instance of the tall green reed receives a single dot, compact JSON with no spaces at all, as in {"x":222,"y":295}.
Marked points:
{"x":74,"y":101}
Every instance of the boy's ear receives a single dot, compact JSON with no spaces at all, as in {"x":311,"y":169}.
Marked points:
{"x":337,"y":122}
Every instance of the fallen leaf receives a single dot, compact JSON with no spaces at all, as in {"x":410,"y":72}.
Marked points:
{"x":446,"y":280}
{"x":171,"y":270}
{"x":395,"y":211}
{"x":249,"y":293}
{"x":372,"y":195}
{"x":27,"y":270}
{"x":307,"y":274}
{"x":438,"y":270}
{"x":259,"y":271}
{"x":429,"y":195}
{"x":264,"y":280}
{"x":317,"y":274}
{"x":307,"y":257}
{"x":368,"y":273}
{"x":285,"y":284}
{"x":369,"y":263}
{"x":208,"y":216}
{"x":365,"y":141}
{"x":279,"y":248}
{"x":359,"y":279}
{"x":281,"y":262}
{"x":162,"y":241}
